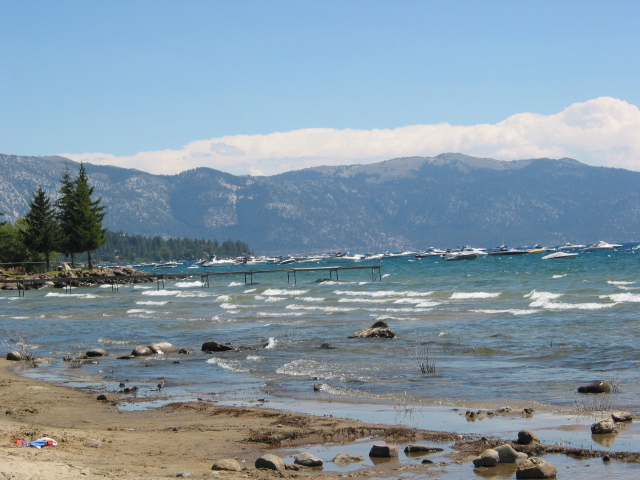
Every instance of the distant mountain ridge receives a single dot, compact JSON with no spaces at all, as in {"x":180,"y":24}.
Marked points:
{"x":403,"y":203}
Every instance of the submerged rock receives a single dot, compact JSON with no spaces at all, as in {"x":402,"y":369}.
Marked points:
{"x":213,"y":346}
{"x":599,"y":386}
{"x":378,"y":330}
{"x":342,"y":459}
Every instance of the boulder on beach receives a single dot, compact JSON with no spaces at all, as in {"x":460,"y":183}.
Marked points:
{"x":527,"y":437}
{"x":621,"y":417}
{"x":384,"y":451}
{"x":14,"y":355}
{"x":213,"y":346}
{"x":378,"y":330}
{"x":227,"y":464}
{"x":141,"y":351}
{"x":508,"y":455}
{"x":270,"y":462}
{"x":308,"y":460}
{"x":342,"y":459}
{"x":417,"y":449}
{"x":535,"y":467}
{"x":599,"y":386}
{"x":162,"y":347}
{"x":603,"y":427}
{"x":488,"y":458}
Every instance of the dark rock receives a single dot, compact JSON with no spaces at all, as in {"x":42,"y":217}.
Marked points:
{"x":327,"y":346}
{"x":14,"y":355}
{"x":599,"y":386}
{"x":186,"y":351}
{"x":422,"y":449}
{"x":384,"y":451}
{"x":270,"y":462}
{"x":426,"y":461}
{"x":527,"y":437}
{"x":213,"y":346}
{"x":535,"y":467}
{"x":308,"y":460}
{"x":103,"y":398}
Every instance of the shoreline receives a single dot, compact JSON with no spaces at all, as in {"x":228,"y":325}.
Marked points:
{"x":97,"y":440}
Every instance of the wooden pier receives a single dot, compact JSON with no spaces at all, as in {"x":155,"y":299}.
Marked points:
{"x":118,"y":280}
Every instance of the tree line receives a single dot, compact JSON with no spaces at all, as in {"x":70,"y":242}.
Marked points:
{"x":120,"y":247}
{"x":69,"y":225}
{"x":72,"y":224}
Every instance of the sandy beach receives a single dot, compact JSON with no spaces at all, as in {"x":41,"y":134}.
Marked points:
{"x":95,"y":440}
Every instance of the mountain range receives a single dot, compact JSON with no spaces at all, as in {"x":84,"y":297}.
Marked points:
{"x":398,"y":204}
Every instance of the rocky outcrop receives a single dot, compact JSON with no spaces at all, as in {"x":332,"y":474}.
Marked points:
{"x":378,"y":330}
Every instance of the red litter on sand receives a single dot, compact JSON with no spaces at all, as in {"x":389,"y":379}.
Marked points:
{"x":19,"y":442}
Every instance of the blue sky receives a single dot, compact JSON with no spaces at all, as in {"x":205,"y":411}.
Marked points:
{"x":266,"y":86}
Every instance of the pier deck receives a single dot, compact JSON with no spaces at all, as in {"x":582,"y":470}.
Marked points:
{"x":117,"y":280}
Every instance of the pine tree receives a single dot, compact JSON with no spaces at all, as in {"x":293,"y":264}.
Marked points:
{"x":40,"y":235}
{"x":87,"y":231}
{"x":65,"y":215}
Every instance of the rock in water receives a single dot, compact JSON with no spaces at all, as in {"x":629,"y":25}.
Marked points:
{"x":535,"y":467}
{"x":603,"y":426}
{"x":378,"y":330}
{"x":384,"y":451}
{"x":488,"y":458}
{"x":599,"y":386}
{"x":308,"y":460}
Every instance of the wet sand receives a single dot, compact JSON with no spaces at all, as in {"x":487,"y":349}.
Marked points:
{"x":98,"y":441}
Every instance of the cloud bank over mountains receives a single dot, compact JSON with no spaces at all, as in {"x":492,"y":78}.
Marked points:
{"x":602,"y":132}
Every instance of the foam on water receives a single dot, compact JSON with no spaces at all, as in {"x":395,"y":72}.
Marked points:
{"x":71,"y":295}
{"x":271,"y":343}
{"x":140,"y":310}
{"x":151,"y":302}
{"x":236,"y":284}
{"x":468,"y":295}
{"x":161,"y":293}
{"x":623,"y":297}
{"x":281,"y":291}
{"x":384,"y":293}
{"x":191,"y":284}
{"x":229,"y":364}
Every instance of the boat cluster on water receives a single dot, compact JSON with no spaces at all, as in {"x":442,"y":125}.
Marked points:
{"x":566,"y":251}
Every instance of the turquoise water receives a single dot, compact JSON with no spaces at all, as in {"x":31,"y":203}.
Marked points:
{"x":497,"y":330}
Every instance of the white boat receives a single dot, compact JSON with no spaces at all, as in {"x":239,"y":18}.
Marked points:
{"x":560,"y":255}
{"x":460,"y":256}
{"x":163,"y":265}
{"x":215,"y":261}
{"x":430,"y":252}
{"x":571,"y":246}
{"x":504,"y":250}
{"x":602,"y":245}
{"x":539,"y":248}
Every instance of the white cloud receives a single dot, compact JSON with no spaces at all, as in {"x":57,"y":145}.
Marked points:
{"x":602,"y":132}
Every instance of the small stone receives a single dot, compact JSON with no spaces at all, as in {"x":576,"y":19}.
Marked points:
{"x":102,"y":398}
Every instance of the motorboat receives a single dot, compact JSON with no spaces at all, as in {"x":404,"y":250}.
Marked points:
{"x":430,"y":252}
{"x":560,"y":255}
{"x":571,"y":246}
{"x":164,"y":265}
{"x":602,"y":245}
{"x":539,"y":249}
{"x":285,"y":261}
{"x":504,"y":250}
{"x":215,"y":261}
{"x":460,"y":256}
{"x":374,"y":256}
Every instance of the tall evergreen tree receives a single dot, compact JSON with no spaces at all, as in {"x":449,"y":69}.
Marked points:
{"x":40,"y":235}
{"x":87,"y":231}
{"x":65,"y":215}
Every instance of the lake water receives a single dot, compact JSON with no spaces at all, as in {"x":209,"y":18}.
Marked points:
{"x":517,"y":331}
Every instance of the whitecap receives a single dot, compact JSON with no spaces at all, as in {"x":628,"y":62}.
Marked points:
{"x":382,"y":293}
{"x":161,"y":293}
{"x":623,"y":297}
{"x":188,"y":284}
{"x":559,"y":276}
{"x":322,"y":309}
{"x":271,"y":343}
{"x":151,"y":302}
{"x":223,"y":298}
{"x":311,"y":299}
{"x":236,"y":284}
{"x":139,"y":310}
{"x":227,"y":364}
{"x":467,"y":295}
{"x":275,"y":299}
{"x":278,"y":291}
{"x":611,"y":282}
{"x":362,"y":300}
{"x":250,"y":290}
